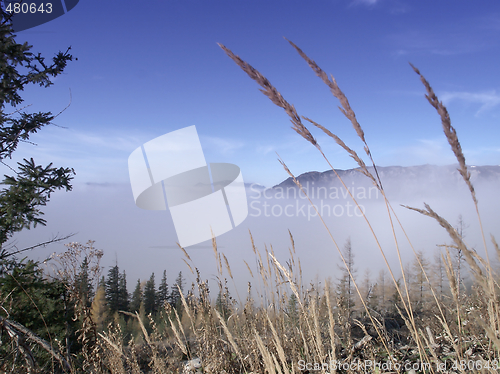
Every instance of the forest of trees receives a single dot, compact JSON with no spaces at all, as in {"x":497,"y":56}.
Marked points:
{"x":423,"y":276}
{"x":53,"y":305}
{"x":112,"y":299}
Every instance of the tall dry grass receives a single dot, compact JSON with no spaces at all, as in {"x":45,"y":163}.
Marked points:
{"x":272,"y":337}
{"x":253,"y":337}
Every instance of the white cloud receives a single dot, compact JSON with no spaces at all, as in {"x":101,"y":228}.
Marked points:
{"x":116,"y":142}
{"x":437,"y":151}
{"x":487,"y":100}
{"x":368,"y":2}
{"x":422,"y":151}
{"x":392,"y":6}
{"x":265,"y":149}
{"x":446,"y":38}
{"x":94,"y":156}
{"x":444,"y":44}
{"x":292,"y":143}
{"x":220,"y":145}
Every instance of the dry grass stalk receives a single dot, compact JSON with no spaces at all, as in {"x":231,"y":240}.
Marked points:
{"x":489,"y":283}
{"x":189,"y":266}
{"x":277,"y":99}
{"x":380,"y":335}
{"x":317,"y":330}
{"x":177,"y":335}
{"x":363,"y":169}
{"x":229,"y":336}
{"x":185,"y":253}
{"x":266,"y":355}
{"x":248,"y":267}
{"x":331,"y":323}
{"x":134,"y":367}
{"x":429,"y":344}
{"x":114,"y":361}
{"x":157,"y":363}
{"x":294,"y":289}
{"x":180,"y":324}
{"x":349,"y":113}
{"x":469,"y":255}
{"x":227,"y":266}
{"x":187,"y":309}
{"x":495,"y":244}
{"x":279,"y":347}
{"x":449,"y":131}
{"x":336,"y":91}
{"x":450,"y":273}
{"x":346,"y":107}
{"x":272,"y":93}
{"x":451,"y":136}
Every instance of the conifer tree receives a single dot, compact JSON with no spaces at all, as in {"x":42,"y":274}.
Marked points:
{"x":175,"y":296}
{"x":25,"y":191}
{"x":222,"y":304}
{"x":163,"y":291}
{"x":150,"y":296}
{"x":381,"y":292}
{"x":345,"y":287}
{"x":419,"y":286}
{"x":83,"y":284}
{"x":438,"y":275}
{"x":135,"y":303}
{"x":368,"y":290}
{"x":124,"y":299}
{"x":29,"y":186}
{"x":113,"y":289}
{"x":102,"y":282}
{"x":25,"y":286}
{"x":292,"y":311}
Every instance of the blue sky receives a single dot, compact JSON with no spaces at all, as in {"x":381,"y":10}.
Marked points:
{"x":147,"y":68}
{"x":145,"y":72}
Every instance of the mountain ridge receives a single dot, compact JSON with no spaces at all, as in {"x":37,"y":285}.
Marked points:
{"x":402,"y":181}
{"x":481,"y":171}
